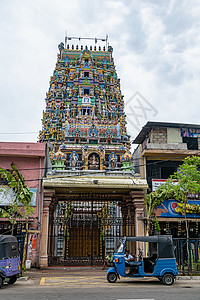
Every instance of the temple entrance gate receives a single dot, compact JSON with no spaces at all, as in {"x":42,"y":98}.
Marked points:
{"x":85,"y":227}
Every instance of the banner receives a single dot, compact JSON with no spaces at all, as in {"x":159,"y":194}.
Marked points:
{"x":172,"y":209}
{"x":186,"y":132}
{"x":7,"y":196}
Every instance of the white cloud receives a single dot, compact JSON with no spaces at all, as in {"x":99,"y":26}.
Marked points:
{"x":156,"y":52}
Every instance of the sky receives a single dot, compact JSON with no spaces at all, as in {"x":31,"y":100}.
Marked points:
{"x":156,"y":52}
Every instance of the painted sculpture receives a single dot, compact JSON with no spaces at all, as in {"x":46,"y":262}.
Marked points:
{"x":112,"y":161}
{"x":127,"y":161}
{"x":59,"y":160}
{"x":74,"y":160}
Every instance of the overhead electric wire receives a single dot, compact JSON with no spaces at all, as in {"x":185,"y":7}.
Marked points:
{"x":140,"y":165}
{"x":19,"y":132}
{"x":75,"y":175}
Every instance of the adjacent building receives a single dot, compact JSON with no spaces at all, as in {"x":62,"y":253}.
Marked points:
{"x":161,"y":148}
{"x":29,"y":158}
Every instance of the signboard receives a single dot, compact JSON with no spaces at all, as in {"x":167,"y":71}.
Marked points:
{"x":7,"y":196}
{"x":156,"y":183}
{"x":170,"y":209}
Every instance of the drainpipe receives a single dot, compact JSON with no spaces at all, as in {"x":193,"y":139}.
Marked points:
{"x":40,"y":191}
{"x":39,"y":215}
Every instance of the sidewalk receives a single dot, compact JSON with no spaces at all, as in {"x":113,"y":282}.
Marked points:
{"x":70,"y":276}
{"x":63,"y":271}
{"x":89,"y":273}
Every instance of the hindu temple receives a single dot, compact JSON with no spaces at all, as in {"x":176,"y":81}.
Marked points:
{"x":92,"y":195}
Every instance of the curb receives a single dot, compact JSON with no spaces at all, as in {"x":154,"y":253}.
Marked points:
{"x":183,"y":278}
{"x":23,"y":278}
{"x":178,"y":278}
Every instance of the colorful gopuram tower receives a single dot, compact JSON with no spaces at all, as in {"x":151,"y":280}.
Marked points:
{"x":92,"y":197}
{"x":84,"y":117}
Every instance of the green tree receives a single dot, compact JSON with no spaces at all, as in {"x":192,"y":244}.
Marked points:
{"x":20,"y":208}
{"x":179,"y":186}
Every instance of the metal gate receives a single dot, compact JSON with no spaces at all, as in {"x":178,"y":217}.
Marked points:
{"x":84,"y":229}
{"x":187,"y":265}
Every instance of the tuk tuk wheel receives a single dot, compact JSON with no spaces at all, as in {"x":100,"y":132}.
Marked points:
{"x":168,"y":279}
{"x":112,"y":277}
{"x":1,"y":281}
{"x":12,"y":279}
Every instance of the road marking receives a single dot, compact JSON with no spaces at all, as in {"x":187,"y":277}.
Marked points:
{"x":42,"y":281}
{"x":70,"y":280}
{"x":88,"y":282}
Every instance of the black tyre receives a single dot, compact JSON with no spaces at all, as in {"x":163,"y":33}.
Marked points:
{"x":12,"y":279}
{"x":168,"y":279}
{"x":112,"y":277}
{"x":1,"y":281}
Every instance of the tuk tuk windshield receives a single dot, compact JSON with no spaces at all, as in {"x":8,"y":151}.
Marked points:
{"x":120,"y":248}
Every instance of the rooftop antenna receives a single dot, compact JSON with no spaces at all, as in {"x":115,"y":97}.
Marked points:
{"x":107,"y":41}
{"x":65,"y":38}
{"x":85,"y":38}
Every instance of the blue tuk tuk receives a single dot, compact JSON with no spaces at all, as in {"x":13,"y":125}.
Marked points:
{"x":156,"y":258}
{"x":9,"y":259}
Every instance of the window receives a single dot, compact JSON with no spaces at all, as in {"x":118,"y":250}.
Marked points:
{"x":86,"y":111}
{"x":93,"y":142}
{"x":192,"y":143}
{"x":103,"y":141}
{"x":83,"y":140}
{"x":167,"y":171}
{"x":86,"y":74}
{"x":86,"y":91}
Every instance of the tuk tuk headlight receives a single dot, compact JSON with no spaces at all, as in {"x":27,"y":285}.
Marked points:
{"x":116,"y":260}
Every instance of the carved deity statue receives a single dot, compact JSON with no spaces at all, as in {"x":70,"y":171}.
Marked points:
{"x":93,"y":162}
{"x":113,"y":161}
{"x":74,"y":160}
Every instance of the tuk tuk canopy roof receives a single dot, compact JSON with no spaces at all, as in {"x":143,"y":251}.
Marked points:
{"x":5,"y":239}
{"x":8,"y":247}
{"x":165,"y":244}
{"x":160,"y":239}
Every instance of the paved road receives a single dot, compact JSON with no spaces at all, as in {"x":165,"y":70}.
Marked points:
{"x":92,"y":284}
{"x":132,"y":291}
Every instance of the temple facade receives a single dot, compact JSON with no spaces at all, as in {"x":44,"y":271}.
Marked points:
{"x":92,"y":195}
{"x":84,"y":117}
